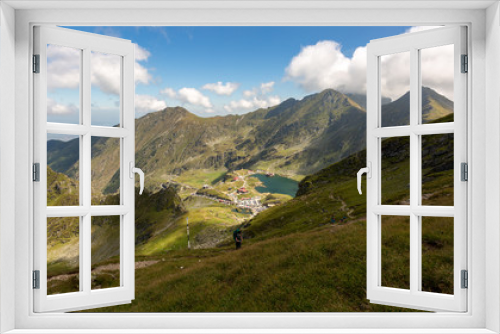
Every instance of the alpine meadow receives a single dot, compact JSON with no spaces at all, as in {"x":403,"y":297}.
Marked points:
{"x":283,"y":175}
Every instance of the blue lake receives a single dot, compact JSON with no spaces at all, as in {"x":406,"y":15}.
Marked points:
{"x":277,"y":185}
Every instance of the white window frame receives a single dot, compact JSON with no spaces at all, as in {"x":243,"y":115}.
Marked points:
{"x":414,"y":297}
{"x":85,"y":298}
{"x":484,"y":308}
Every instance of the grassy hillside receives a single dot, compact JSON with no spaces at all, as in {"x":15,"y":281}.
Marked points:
{"x":61,"y":189}
{"x":304,"y":254}
{"x":320,"y":270}
{"x":434,"y":107}
{"x":294,"y":259}
{"x":289,"y":138}
{"x":292,"y":138}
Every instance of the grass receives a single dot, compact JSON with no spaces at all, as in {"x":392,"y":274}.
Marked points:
{"x":199,"y":177}
{"x":208,"y":225}
{"x":321,"y":268}
{"x":276,"y":199}
{"x":262,"y":277}
{"x":213,"y":193}
{"x":395,"y":264}
{"x":61,"y":189}
{"x":437,"y":254}
{"x":395,"y":170}
{"x":300,"y":265}
{"x":71,"y":284}
{"x":293,"y":259}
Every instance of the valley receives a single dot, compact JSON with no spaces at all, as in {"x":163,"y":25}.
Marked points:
{"x":284,"y":175}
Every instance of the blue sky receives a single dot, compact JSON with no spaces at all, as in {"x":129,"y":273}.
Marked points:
{"x":221,"y":70}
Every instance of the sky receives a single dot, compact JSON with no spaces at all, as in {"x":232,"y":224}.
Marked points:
{"x":225,"y":70}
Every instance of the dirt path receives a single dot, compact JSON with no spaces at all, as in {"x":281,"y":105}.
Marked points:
{"x":344,"y":208}
{"x":106,"y":267}
{"x":243,"y":177}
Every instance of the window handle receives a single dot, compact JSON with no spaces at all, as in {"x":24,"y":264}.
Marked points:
{"x":133,"y":170}
{"x":368,"y":171}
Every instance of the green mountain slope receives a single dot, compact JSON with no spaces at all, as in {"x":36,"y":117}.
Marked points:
{"x":155,"y":212}
{"x":61,"y":189}
{"x":292,"y":253}
{"x":295,"y":260}
{"x":62,"y":156}
{"x":361,"y":99}
{"x":314,"y":271}
{"x":434,"y":106}
{"x":292,"y":138}
{"x":332,"y":191}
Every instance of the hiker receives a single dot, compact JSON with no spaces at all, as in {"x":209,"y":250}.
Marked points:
{"x":237,"y":238}
{"x":332,"y":220}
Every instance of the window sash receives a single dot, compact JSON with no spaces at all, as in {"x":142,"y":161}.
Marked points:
{"x":414,"y":298}
{"x":86,"y":297}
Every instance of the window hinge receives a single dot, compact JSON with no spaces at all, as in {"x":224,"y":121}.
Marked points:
{"x":465,"y":279}
{"x":465,"y":64}
{"x":464,"y":171}
{"x":36,"y":172}
{"x":36,"y":279}
{"x":36,"y":63}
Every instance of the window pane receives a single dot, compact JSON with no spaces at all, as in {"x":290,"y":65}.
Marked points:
{"x":396,"y":251}
{"x":437,"y":254}
{"x":63,"y":255}
{"x":437,"y":169}
{"x":437,"y":73}
{"x":395,"y":174}
{"x":105,"y":252}
{"x":105,"y":171}
{"x":105,"y":89}
{"x":63,"y":84}
{"x":395,"y":87}
{"x":63,"y":170}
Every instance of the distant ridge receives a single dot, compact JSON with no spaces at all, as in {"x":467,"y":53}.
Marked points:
{"x":434,"y":106}
{"x":294,"y":137}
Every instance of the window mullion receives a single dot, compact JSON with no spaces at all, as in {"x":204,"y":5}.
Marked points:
{"x":414,"y":172}
{"x":85,"y":178}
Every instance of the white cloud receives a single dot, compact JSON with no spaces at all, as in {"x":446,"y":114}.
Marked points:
{"x":169,"y":92}
{"x":54,"y":108}
{"x":105,"y":72}
{"x":437,"y":68}
{"x":222,"y":89}
{"x":249,"y":93}
{"x":188,"y":95}
{"x":266,"y":87}
{"x":421,"y":28}
{"x":141,"y":54}
{"x":254,"y":103}
{"x":395,"y":74}
{"x":63,"y":69}
{"x":194,"y":97}
{"x":323,"y":66}
{"x":141,"y":74}
{"x":273,"y":100}
{"x":148,"y":103}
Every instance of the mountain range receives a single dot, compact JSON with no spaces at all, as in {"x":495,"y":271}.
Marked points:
{"x":296,"y":137}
